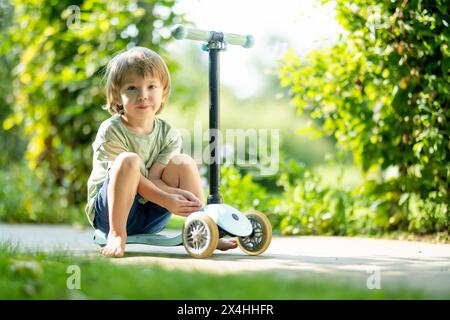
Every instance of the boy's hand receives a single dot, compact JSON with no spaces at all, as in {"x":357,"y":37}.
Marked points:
{"x":180,"y":206}
{"x":189,"y":196}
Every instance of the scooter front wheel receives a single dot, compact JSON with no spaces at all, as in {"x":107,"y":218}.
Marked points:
{"x":259,"y":240}
{"x":200,"y":235}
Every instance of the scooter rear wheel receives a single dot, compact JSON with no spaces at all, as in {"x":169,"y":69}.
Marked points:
{"x":200,"y":235}
{"x":259,"y":240}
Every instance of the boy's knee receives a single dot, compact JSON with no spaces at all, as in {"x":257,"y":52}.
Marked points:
{"x":183,"y":159}
{"x":128,"y":161}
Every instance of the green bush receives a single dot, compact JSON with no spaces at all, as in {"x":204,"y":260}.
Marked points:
{"x":309,"y":206}
{"x":242,"y":192}
{"x":23,"y":199}
{"x":383,"y":93}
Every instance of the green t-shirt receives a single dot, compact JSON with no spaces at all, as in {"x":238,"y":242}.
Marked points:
{"x":113,"y":138}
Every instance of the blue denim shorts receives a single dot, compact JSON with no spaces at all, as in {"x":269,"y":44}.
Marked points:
{"x":143,"y":217}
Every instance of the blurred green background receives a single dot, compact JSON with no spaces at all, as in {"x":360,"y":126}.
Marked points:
{"x":364,"y":123}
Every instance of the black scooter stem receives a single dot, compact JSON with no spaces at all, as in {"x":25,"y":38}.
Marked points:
{"x":214,"y":127}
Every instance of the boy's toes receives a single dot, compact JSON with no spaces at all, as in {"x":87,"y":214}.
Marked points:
{"x":103,"y":250}
{"x":226,"y":244}
{"x":233,"y":243}
{"x":118,"y":252}
{"x":108,"y":252}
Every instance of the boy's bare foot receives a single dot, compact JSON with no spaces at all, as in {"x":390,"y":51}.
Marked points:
{"x":225,"y":244}
{"x":115,"y":247}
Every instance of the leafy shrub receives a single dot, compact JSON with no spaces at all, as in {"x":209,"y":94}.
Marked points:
{"x":307,"y":206}
{"x":24,"y":199}
{"x":383,"y":93}
{"x":242,"y":192}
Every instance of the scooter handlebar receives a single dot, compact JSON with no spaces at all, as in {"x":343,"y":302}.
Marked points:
{"x":179,"y":32}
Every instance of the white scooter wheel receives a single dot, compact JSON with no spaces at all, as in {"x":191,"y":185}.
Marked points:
{"x":200,"y":235}
{"x":259,"y":240}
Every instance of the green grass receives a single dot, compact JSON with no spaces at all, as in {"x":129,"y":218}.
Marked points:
{"x":26,"y":275}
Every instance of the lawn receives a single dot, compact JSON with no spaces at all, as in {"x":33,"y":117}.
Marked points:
{"x":27,"y":275}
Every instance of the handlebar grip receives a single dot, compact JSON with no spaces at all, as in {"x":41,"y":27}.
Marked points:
{"x":240,"y":40}
{"x":179,"y":32}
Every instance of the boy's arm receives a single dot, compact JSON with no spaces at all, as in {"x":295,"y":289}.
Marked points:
{"x":149,"y":191}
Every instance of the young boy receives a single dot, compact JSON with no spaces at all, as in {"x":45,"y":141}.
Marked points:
{"x":139,"y":176}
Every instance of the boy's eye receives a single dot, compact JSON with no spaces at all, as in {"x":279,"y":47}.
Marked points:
{"x":131,"y":88}
{"x":152,"y":86}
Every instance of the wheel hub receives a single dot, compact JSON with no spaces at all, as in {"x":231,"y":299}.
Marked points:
{"x":255,"y":240}
{"x":197,"y":235}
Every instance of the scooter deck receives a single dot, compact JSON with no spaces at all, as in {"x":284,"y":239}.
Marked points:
{"x":100,"y":238}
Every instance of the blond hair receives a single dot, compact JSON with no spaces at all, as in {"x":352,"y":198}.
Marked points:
{"x":141,"y":61}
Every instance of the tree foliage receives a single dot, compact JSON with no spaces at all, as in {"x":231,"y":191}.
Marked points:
{"x":11,"y":144}
{"x":59,"y":51}
{"x":383,"y":92}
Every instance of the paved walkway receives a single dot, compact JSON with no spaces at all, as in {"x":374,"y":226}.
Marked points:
{"x":420,"y":265}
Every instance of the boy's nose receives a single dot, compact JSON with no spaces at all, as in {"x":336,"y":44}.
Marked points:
{"x":142,"y":95}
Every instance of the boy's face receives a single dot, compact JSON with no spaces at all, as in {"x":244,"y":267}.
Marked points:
{"x":141,"y":95}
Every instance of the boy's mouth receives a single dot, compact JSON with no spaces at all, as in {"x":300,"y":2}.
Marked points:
{"x":143,"y":106}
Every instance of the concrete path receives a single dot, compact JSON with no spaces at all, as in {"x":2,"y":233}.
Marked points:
{"x":365,"y":262}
